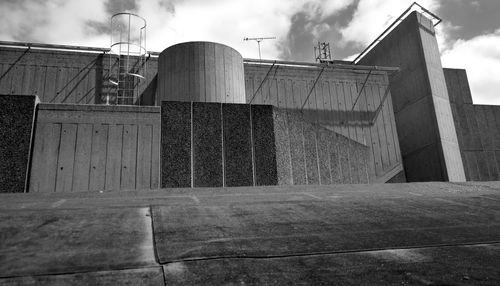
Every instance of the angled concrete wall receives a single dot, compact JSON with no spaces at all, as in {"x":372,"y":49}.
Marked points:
{"x":478,"y":129}
{"x":330,"y":104}
{"x":423,"y":115}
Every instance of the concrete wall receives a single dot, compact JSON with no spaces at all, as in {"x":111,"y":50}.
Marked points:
{"x":215,"y":145}
{"x":64,"y":76}
{"x":478,"y":129}
{"x":16,"y":129}
{"x":94,"y":148}
{"x":330,"y":105}
{"x":423,"y":115}
{"x":310,"y":154}
{"x":201,"y":71}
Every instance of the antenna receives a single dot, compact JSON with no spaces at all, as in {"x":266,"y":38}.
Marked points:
{"x":322,"y":52}
{"x":258,"y":40}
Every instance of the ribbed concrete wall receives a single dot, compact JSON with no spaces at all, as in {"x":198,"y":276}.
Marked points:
{"x":423,"y":115}
{"x":330,"y":104}
{"x":201,"y":71}
{"x":215,"y":145}
{"x":95,"y":148}
{"x":65,"y":76}
{"x":478,"y":129}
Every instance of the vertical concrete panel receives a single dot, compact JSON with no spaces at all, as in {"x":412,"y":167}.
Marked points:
{"x":311,"y":154}
{"x":283,"y":152}
{"x":66,"y":158}
{"x":98,"y":157}
{"x":297,"y":156}
{"x":207,"y":145}
{"x":175,"y":144}
{"x":114,"y":157}
{"x":336,"y":170}
{"x":345,"y":168}
{"x":264,"y":145}
{"x":324,"y":156}
{"x":17,"y":117}
{"x":143,"y":166}
{"x":82,"y":158}
{"x":210,"y":78}
{"x":238,"y":165}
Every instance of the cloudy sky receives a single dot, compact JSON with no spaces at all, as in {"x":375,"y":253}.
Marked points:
{"x":469,"y":36}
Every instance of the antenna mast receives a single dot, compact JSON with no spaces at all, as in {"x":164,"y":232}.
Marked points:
{"x":258,"y":40}
{"x":322,"y":52}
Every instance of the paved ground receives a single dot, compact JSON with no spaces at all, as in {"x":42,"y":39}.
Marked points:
{"x":418,"y":234}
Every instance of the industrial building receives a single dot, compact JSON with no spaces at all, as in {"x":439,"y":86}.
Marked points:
{"x":393,"y":115}
{"x":196,"y":166}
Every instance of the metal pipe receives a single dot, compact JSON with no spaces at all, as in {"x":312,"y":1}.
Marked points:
{"x":261,"y":83}
{"x":400,"y":18}
{"x":333,"y":66}
{"x":362,"y":88}
{"x":51,"y":46}
{"x":312,"y":89}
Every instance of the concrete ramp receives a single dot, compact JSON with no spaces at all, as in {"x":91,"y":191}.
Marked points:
{"x":426,"y":233}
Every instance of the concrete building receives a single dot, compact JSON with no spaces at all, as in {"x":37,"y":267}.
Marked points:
{"x":206,"y":117}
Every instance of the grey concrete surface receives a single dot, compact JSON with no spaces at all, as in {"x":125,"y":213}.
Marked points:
{"x":423,"y":115}
{"x":421,"y":233}
{"x":201,"y":71}
{"x":50,"y":241}
{"x":478,"y":129}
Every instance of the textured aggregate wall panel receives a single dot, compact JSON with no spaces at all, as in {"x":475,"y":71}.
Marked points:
{"x":207,"y":145}
{"x":264,"y":145}
{"x":478,"y":129}
{"x":95,"y":148}
{"x":420,"y":88}
{"x":331,"y":105}
{"x":256,"y":145}
{"x":317,"y":155}
{"x":176,"y":150}
{"x":16,"y":129}
{"x":283,"y":148}
{"x":297,"y":150}
{"x":311,"y":154}
{"x":201,"y":71}
{"x":238,"y":166}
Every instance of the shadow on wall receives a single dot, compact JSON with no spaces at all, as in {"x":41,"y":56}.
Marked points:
{"x":229,"y":145}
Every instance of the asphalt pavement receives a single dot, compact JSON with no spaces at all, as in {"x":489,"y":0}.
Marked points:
{"x":387,"y":234}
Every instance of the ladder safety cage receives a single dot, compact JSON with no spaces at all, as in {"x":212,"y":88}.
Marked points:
{"x":127,"y":61}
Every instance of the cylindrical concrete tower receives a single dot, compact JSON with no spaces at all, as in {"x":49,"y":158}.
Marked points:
{"x":202,"y":72}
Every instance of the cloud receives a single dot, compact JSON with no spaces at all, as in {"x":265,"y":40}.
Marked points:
{"x":480,"y":56}
{"x":51,"y":21}
{"x":373,"y":16}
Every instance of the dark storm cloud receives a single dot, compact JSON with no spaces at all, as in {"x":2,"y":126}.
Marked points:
{"x":306,"y":30}
{"x":472,"y":18}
